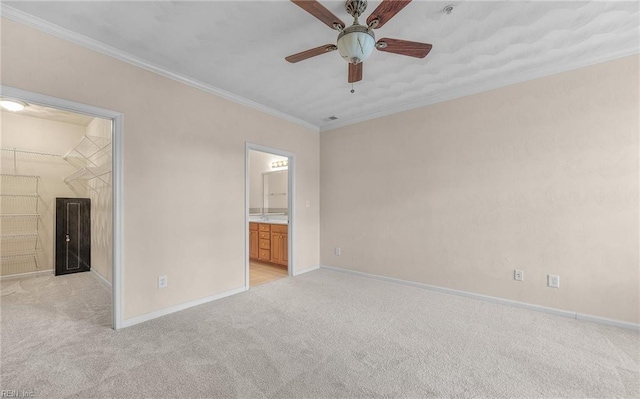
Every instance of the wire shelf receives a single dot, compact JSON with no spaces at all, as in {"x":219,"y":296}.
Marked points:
{"x":17,"y":236}
{"x":19,"y":221}
{"x":14,"y":245}
{"x":19,"y":185}
{"x":18,"y":204}
{"x":89,"y":173}
{"x":91,"y":151}
{"x":17,"y":256}
{"x":18,"y":225}
{"x":92,"y":159}
{"x":11,"y":156}
{"x":19,"y":263}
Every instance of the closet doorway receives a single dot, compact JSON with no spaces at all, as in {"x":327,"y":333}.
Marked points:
{"x":269,"y":216}
{"x":58,"y":229}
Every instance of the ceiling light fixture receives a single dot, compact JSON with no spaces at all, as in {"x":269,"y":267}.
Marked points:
{"x":356,"y":42}
{"x":12,"y":105}
{"x":279,"y":164}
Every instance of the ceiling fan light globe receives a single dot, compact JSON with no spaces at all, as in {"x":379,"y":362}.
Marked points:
{"x":356,"y":46}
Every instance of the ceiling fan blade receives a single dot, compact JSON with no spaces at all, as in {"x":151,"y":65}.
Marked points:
{"x":319,"y":11}
{"x":385,"y":11}
{"x":404,"y":47}
{"x":355,"y":72}
{"x":327,"y":48}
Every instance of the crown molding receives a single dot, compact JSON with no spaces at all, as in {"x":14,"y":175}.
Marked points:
{"x":483,"y":87}
{"x":66,"y":34}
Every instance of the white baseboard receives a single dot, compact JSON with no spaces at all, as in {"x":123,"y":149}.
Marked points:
{"x":22,"y":275}
{"x":172,"y":309}
{"x":100,"y":278}
{"x":608,"y":322}
{"x":306,"y":270}
{"x":487,"y":298}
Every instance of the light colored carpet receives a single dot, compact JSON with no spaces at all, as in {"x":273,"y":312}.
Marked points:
{"x":323,"y":334}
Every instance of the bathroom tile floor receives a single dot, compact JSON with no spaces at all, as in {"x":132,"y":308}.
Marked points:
{"x":260,"y":273}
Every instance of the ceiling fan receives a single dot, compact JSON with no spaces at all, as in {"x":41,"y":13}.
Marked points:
{"x":356,"y":42}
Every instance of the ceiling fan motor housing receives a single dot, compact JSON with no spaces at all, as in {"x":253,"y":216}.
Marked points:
{"x":355,"y":43}
{"x":355,"y":8}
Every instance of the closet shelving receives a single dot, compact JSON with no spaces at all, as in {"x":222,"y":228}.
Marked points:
{"x":20,"y":221}
{"x":92,"y":159}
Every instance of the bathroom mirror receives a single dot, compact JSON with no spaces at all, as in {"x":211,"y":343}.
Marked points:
{"x":274,"y":189}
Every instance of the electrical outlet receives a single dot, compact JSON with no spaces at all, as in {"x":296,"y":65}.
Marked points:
{"x":553,"y":281}
{"x":337,"y":251}
{"x":518,"y":275}
{"x":163,"y":282}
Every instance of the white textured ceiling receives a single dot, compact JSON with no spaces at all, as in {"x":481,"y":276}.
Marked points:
{"x":239,"y":47}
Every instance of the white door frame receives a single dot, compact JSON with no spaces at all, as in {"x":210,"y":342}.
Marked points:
{"x":117,"y":196}
{"x":290,"y":198}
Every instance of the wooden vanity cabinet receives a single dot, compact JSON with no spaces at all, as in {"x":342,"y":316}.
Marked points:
{"x":264,"y":242}
{"x":279,"y":244}
{"x":253,"y":241}
{"x":269,"y":243}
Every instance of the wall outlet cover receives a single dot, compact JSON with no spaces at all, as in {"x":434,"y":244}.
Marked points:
{"x":518,"y":275}
{"x":553,"y":281}
{"x":337,"y":251}
{"x":163,"y":282}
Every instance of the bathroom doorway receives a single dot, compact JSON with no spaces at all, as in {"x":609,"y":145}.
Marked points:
{"x":269,"y":182}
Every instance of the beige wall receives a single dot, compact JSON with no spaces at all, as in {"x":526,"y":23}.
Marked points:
{"x":540,"y":176}
{"x":35,"y":134}
{"x":184,"y":149}
{"x":101,"y":195}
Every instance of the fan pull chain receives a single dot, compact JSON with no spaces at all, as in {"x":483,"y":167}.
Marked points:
{"x":352,"y":90}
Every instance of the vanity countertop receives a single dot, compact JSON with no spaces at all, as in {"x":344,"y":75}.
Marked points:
{"x":274,"y":221}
